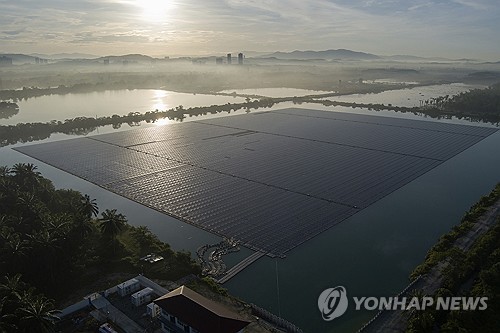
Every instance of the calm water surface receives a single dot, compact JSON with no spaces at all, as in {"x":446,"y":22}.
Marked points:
{"x":108,"y":103}
{"x":408,"y":97}
{"x":371,"y":254}
{"x":276,"y":92}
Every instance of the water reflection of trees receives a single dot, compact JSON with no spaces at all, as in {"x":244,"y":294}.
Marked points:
{"x":479,"y":102}
{"x":8,"y":109}
{"x":27,"y":132}
{"x":30,"y":92}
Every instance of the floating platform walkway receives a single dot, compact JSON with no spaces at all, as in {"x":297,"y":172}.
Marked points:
{"x":240,"y":266}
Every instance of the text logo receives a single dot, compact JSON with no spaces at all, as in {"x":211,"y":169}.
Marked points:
{"x":332,"y":303}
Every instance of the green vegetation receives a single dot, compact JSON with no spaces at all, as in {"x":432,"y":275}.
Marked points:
{"x":214,"y":286}
{"x":461,"y":106}
{"x":474,"y":272}
{"x":30,"y":92}
{"x":445,"y":245}
{"x":8,"y":109}
{"x":55,"y":240}
{"x":22,"y":310}
{"x":477,"y":104}
{"x":27,"y":132}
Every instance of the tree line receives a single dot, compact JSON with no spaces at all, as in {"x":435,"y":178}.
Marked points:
{"x":54,"y":240}
{"x":481,"y":104}
{"x":27,"y":132}
{"x":471,"y":273}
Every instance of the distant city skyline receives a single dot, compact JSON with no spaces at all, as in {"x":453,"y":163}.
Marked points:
{"x":430,"y":28}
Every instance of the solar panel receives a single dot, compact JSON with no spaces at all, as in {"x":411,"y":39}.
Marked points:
{"x":271,"y":180}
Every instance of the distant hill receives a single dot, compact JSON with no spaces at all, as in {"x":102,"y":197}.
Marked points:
{"x":297,"y":55}
{"x":19,"y":59}
{"x":343,"y":54}
{"x":77,"y":58}
{"x":484,"y":75}
{"x":61,"y":56}
{"x":130,"y":57}
{"x":413,"y":58}
{"x":340,"y":54}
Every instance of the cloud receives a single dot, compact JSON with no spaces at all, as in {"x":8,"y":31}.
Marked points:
{"x":472,"y":4}
{"x":191,"y":26}
{"x":13,"y":32}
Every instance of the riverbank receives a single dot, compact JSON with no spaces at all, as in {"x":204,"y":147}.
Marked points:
{"x":439,"y":274}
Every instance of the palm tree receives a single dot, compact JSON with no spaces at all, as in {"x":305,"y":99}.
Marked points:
{"x":10,"y":287}
{"x":83,"y":227}
{"x":112,"y":223}
{"x":23,"y":311}
{"x":89,"y":206}
{"x":13,"y":251}
{"x":4,"y":171}
{"x":37,"y":314}
{"x":10,"y":300}
{"x":421,"y":320}
{"x":6,"y":319}
{"x":26,"y":171}
{"x":46,"y":254}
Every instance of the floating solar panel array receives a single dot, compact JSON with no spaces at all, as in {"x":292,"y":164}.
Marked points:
{"x":271,"y":180}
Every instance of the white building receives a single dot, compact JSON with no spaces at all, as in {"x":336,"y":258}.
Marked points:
{"x":142,"y":297}
{"x":153,"y":310}
{"x":128,"y":287}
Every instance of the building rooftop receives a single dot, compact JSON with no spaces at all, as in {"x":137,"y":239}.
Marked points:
{"x":128,"y":283}
{"x":145,"y":291}
{"x":199,"y":312}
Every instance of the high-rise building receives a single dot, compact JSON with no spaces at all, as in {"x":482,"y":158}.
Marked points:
{"x":229,"y":59}
{"x":240,"y":58}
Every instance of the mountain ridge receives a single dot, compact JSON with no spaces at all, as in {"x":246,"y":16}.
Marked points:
{"x":331,"y":54}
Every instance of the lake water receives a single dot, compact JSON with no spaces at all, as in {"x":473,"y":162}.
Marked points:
{"x":371,"y":254}
{"x":108,"y":103}
{"x":407,"y":97}
{"x":276,"y":92}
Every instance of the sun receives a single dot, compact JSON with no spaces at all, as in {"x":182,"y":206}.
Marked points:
{"x":155,"y":10}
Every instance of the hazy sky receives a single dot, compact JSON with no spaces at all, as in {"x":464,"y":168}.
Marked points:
{"x":450,"y":28}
